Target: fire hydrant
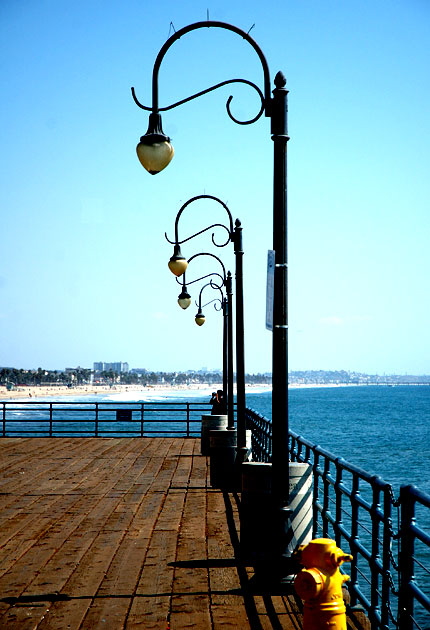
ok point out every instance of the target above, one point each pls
(319, 585)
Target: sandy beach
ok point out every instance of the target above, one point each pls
(117, 390)
(87, 390)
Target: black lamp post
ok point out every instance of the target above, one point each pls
(178, 262)
(184, 300)
(200, 320)
(155, 152)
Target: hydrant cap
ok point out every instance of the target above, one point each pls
(322, 552)
(308, 583)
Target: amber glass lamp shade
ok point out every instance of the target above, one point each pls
(177, 265)
(184, 299)
(200, 319)
(154, 157)
(154, 149)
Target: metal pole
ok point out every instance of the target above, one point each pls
(224, 346)
(240, 346)
(280, 444)
(230, 400)
(280, 451)
(406, 559)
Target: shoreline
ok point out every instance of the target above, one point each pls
(37, 392)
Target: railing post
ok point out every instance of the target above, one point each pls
(142, 405)
(188, 419)
(50, 419)
(406, 559)
(338, 496)
(355, 494)
(375, 559)
(326, 497)
(386, 556)
(316, 499)
(97, 421)
(4, 420)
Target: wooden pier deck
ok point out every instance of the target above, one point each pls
(123, 533)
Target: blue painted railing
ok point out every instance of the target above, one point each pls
(100, 419)
(390, 571)
(387, 536)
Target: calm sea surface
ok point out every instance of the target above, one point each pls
(384, 430)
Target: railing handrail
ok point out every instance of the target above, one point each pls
(376, 570)
(98, 420)
(410, 533)
(349, 503)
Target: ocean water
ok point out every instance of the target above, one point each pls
(384, 430)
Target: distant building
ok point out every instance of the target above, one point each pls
(119, 367)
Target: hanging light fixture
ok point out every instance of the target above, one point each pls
(184, 298)
(177, 264)
(154, 149)
(200, 318)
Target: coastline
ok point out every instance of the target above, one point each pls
(37, 392)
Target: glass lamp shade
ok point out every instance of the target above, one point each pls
(200, 319)
(177, 265)
(184, 300)
(154, 157)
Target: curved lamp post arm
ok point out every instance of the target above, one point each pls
(266, 97)
(186, 283)
(154, 149)
(211, 89)
(224, 275)
(201, 232)
(213, 286)
(227, 341)
(216, 302)
(227, 364)
(184, 298)
(229, 228)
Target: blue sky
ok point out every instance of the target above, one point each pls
(83, 266)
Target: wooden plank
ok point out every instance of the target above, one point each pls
(151, 606)
(123, 533)
(38, 555)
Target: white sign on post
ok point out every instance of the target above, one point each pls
(270, 288)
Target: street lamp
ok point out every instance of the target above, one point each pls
(274, 107)
(200, 318)
(184, 298)
(225, 280)
(177, 262)
(154, 149)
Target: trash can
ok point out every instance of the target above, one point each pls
(259, 515)
(223, 447)
(209, 423)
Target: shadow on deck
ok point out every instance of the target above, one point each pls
(124, 533)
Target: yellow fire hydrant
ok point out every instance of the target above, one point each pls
(319, 585)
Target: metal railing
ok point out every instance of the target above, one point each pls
(414, 546)
(358, 510)
(101, 419)
(386, 536)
